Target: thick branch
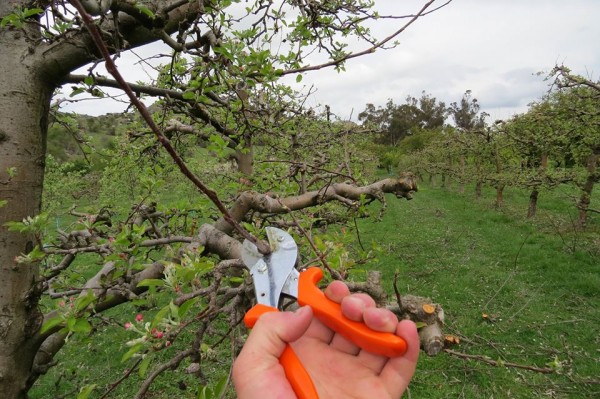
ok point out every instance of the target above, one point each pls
(402, 187)
(76, 49)
(166, 144)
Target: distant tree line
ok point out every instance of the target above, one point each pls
(556, 142)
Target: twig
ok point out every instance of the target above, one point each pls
(123, 378)
(370, 50)
(485, 359)
(510, 276)
(358, 234)
(171, 364)
(396, 291)
(111, 67)
(334, 273)
(524, 306)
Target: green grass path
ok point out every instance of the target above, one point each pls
(538, 281)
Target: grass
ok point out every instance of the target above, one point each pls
(538, 280)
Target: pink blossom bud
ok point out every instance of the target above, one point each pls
(128, 325)
(139, 318)
(158, 334)
(168, 343)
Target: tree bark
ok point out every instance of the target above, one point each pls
(461, 184)
(24, 104)
(30, 70)
(499, 195)
(533, 197)
(588, 186)
(499, 185)
(402, 187)
(478, 182)
(245, 157)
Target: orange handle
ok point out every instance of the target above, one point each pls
(295, 373)
(330, 314)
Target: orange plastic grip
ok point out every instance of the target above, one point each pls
(295, 372)
(330, 314)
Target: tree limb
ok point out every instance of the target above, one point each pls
(402, 187)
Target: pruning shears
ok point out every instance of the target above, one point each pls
(275, 276)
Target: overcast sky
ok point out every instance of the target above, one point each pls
(495, 48)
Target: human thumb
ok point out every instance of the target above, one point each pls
(259, 359)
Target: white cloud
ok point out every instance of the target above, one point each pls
(492, 47)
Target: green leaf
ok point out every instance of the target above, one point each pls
(132, 351)
(299, 78)
(71, 321)
(51, 323)
(160, 316)
(183, 309)
(145, 10)
(144, 366)
(89, 80)
(76, 91)
(11, 19)
(84, 392)
(188, 95)
(30, 224)
(36, 254)
(174, 309)
(82, 326)
(30, 12)
(205, 393)
(221, 386)
(151, 282)
(83, 302)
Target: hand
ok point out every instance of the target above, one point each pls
(338, 368)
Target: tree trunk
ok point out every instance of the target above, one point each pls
(478, 187)
(24, 105)
(30, 70)
(478, 181)
(499, 195)
(499, 185)
(533, 197)
(448, 182)
(588, 186)
(461, 184)
(245, 157)
(244, 162)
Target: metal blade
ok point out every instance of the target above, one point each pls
(271, 273)
(290, 287)
(250, 254)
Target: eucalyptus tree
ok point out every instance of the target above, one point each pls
(471, 135)
(222, 77)
(396, 122)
